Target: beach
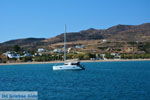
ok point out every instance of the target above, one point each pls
(47, 62)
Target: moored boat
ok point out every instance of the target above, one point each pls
(68, 64)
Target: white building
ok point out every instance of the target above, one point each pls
(57, 51)
(104, 40)
(14, 56)
(41, 50)
(79, 46)
(116, 55)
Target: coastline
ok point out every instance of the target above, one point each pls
(51, 62)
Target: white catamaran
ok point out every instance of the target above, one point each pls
(68, 64)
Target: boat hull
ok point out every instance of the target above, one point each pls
(67, 67)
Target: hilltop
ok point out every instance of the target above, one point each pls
(118, 32)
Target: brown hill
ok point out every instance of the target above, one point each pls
(116, 33)
(119, 32)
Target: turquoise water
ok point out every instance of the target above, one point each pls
(100, 81)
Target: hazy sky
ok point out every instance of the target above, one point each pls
(46, 18)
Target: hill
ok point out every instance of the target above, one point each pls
(118, 32)
(26, 43)
(127, 33)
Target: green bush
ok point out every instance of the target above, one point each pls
(109, 56)
(135, 56)
(26, 59)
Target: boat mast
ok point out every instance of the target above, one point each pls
(65, 43)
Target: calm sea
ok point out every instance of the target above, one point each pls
(100, 81)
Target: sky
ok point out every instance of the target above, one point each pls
(46, 18)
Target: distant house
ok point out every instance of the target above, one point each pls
(26, 54)
(104, 40)
(57, 51)
(41, 50)
(116, 55)
(79, 46)
(12, 54)
(6, 53)
(103, 56)
(69, 50)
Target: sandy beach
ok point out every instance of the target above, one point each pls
(108, 60)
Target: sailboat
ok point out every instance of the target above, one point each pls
(68, 64)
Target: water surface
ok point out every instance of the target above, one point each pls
(100, 81)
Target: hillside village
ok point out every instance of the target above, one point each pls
(83, 50)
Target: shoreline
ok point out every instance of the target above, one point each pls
(51, 62)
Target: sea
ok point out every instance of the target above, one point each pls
(128, 80)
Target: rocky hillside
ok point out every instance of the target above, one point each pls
(116, 33)
(26, 41)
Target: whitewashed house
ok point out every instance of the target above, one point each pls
(41, 50)
(57, 50)
(79, 46)
(12, 54)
